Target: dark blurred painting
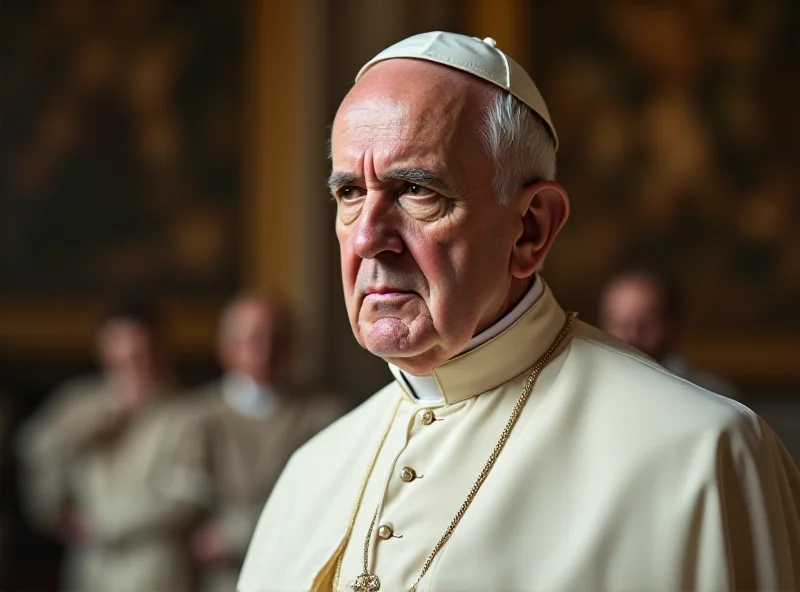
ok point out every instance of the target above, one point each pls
(679, 134)
(120, 146)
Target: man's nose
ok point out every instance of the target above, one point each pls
(376, 228)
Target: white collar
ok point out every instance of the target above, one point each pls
(248, 397)
(425, 388)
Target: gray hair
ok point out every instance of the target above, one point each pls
(520, 145)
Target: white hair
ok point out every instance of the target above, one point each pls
(519, 144)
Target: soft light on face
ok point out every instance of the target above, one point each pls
(425, 245)
(632, 310)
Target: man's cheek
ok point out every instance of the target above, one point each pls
(350, 266)
(442, 277)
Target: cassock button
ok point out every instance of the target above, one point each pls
(408, 474)
(385, 532)
(428, 417)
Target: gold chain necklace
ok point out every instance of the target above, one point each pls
(369, 582)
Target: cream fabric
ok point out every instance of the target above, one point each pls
(128, 479)
(246, 453)
(426, 389)
(619, 476)
(246, 397)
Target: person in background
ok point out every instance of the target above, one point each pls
(253, 422)
(644, 308)
(7, 418)
(103, 466)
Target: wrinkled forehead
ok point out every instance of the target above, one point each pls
(368, 114)
(403, 108)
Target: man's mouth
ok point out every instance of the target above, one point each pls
(387, 292)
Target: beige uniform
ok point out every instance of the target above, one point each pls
(129, 480)
(247, 453)
(6, 522)
(618, 476)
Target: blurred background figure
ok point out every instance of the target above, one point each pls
(644, 308)
(253, 421)
(6, 509)
(102, 465)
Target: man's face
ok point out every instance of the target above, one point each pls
(247, 343)
(127, 352)
(632, 310)
(425, 245)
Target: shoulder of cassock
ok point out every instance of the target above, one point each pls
(70, 403)
(615, 404)
(621, 385)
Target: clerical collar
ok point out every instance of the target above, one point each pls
(430, 389)
(248, 397)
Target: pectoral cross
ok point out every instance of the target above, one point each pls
(367, 582)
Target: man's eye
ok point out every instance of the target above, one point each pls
(349, 193)
(419, 190)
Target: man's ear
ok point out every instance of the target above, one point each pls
(544, 208)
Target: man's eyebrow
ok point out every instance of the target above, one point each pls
(337, 180)
(421, 176)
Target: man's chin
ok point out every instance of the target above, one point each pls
(390, 337)
(390, 348)
(418, 356)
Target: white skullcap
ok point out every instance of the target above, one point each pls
(470, 54)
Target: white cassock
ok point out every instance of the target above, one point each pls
(618, 476)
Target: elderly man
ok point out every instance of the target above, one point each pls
(517, 449)
(251, 422)
(107, 466)
(644, 309)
